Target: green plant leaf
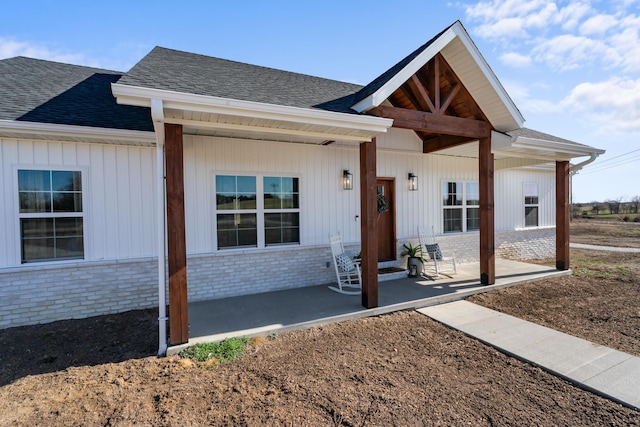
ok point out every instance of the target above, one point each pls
(226, 350)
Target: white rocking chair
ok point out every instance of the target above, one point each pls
(347, 270)
(444, 264)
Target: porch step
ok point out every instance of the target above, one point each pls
(391, 273)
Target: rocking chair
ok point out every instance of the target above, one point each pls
(441, 263)
(347, 270)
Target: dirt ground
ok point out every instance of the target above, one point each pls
(398, 369)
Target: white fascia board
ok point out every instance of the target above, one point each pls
(132, 95)
(405, 74)
(460, 32)
(555, 146)
(71, 131)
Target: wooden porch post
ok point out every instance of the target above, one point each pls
(177, 249)
(368, 224)
(487, 229)
(562, 215)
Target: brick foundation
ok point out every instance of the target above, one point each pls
(40, 294)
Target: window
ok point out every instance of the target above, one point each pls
(257, 212)
(282, 210)
(236, 197)
(51, 215)
(530, 205)
(461, 203)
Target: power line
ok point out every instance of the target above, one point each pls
(599, 168)
(620, 155)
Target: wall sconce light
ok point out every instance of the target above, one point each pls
(413, 182)
(347, 180)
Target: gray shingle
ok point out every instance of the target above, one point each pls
(380, 81)
(530, 133)
(184, 72)
(41, 91)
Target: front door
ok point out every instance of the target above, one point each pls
(386, 219)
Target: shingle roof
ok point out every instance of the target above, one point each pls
(41, 91)
(178, 71)
(530, 133)
(174, 70)
(50, 92)
(372, 87)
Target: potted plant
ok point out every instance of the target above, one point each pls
(415, 260)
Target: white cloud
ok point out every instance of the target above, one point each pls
(515, 59)
(569, 17)
(598, 25)
(500, 9)
(567, 52)
(614, 104)
(116, 57)
(624, 46)
(507, 19)
(10, 48)
(565, 38)
(505, 28)
(521, 95)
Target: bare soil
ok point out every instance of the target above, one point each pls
(398, 369)
(620, 234)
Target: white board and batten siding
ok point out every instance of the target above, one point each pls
(325, 207)
(118, 195)
(119, 189)
(509, 197)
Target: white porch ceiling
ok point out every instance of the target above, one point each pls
(231, 126)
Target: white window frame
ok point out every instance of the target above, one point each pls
(86, 239)
(278, 210)
(260, 211)
(528, 190)
(463, 207)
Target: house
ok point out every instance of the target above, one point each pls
(237, 173)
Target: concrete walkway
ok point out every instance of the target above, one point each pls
(604, 248)
(602, 370)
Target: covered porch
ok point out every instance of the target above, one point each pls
(293, 309)
(443, 95)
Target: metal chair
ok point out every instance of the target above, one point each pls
(438, 261)
(347, 269)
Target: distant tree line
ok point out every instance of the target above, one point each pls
(618, 206)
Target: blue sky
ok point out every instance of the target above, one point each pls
(572, 67)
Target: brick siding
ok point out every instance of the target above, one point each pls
(40, 294)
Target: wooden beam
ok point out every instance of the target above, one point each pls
(436, 82)
(436, 123)
(562, 215)
(177, 249)
(443, 142)
(487, 225)
(368, 224)
(416, 84)
(452, 94)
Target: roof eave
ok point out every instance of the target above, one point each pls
(37, 130)
(141, 96)
(576, 150)
(543, 149)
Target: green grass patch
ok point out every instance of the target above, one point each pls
(625, 271)
(223, 351)
(587, 272)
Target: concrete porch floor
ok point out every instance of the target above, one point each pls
(286, 310)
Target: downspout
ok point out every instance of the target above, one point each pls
(157, 115)
(574, 169)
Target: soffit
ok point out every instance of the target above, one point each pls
(214, 116)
